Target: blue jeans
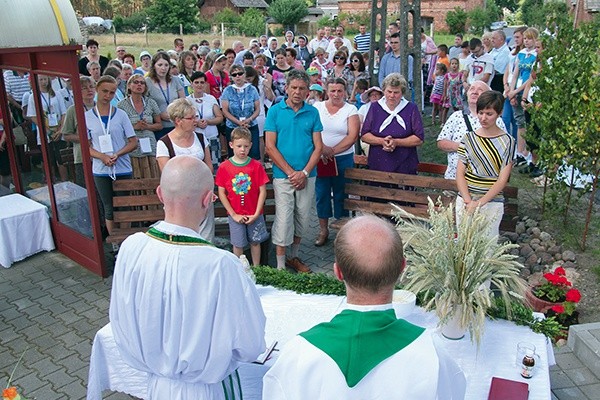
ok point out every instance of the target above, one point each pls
(325, 186)
(254, 150)
(509, 120)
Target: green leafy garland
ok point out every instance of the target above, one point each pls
(320, 283)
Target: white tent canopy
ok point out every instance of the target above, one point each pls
(38, 23)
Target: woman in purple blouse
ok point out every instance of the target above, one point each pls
(393, 128)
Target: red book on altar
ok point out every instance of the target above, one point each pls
(327, 170)
(504, 389)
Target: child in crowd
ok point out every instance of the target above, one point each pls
(216, 46)
(485, 162)
(442, 53)
(360, 86)
(453, 88)
(315, 94)
(437, 93)
(241, 181)
(314, 76)
(526, 60)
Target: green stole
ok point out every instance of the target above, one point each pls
(359, 341)
(177, 239)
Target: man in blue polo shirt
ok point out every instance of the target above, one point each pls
(293, 142)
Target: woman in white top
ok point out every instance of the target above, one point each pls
(54, 110)
(340, 132)
(209, 115)
(112, 138)
(183, 140)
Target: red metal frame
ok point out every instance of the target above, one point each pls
(58, 61)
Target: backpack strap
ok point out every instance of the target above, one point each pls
(468, 122)
(167, 141)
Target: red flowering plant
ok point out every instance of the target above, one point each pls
(558, 289)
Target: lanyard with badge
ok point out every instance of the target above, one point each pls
(105, 140)
(241, 91)
(166, 94)
(143, 142)
(52, 117)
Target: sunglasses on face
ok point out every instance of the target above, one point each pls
(138, 82)
(236, 74)
(355, 61)
(339, 58)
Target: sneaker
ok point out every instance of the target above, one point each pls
(298, 265)
(520, 161)
(527, 169)
(535, 172)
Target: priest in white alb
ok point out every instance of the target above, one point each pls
(365, 352)
(181, 309)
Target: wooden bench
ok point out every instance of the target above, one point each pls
(138, 206)
(412, 192)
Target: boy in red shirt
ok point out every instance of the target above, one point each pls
(241, 181)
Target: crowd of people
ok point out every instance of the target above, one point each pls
(213, 116)
(307, 105)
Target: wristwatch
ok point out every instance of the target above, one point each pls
(305, 173)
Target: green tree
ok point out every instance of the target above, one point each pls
(133, 23)
(166, 15)
(480, 19)
(510, 5)
(456, 20)
(569, 124)
(288, 12)
(538, 12)
(252, 22)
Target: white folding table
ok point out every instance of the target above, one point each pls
(24, 229)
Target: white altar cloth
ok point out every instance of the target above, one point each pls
(24, 229)
(289, 313)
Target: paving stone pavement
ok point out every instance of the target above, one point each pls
(52, 307)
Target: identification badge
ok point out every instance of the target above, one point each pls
(145, 146)
(52, 119)
(106, 145)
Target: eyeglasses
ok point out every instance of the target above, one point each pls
(138, 82)
(195, 117)
(339, 58)
(355, 61)
(236, 74)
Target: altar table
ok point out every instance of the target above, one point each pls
(289, 313)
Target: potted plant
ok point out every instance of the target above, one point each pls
(555, 296)
(453, 268)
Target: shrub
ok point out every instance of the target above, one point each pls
(456, 20)
(252, 22)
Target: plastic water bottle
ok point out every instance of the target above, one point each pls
(247, 268)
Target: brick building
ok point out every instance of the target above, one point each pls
(208, 8)
(432, 11)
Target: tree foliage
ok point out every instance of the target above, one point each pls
(252, 22)
(510, 5)
(569, 100)
(288, 12)
(166, 15)
(538, 12)
(134, 23)
(480, 19)
(457, 20)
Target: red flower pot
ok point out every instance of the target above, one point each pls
(538, 304)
